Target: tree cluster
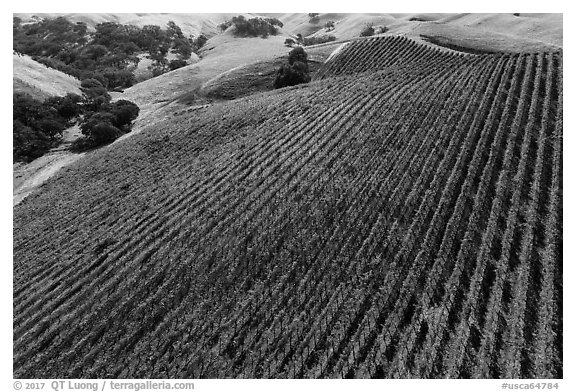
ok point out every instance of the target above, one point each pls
(318, 40)
(109, 54)
(253, 27)
(314, 18)
(295, 72)
(38, 126)
(309, 41)
(103, 121)
(367, 31)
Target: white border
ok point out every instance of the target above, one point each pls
(105, 6)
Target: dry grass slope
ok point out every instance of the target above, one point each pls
(40, 81)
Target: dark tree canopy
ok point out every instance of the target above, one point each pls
(367, 31)
(253, 27)
(295, 72)
(103, 60)
(318, 40)
(124, 113)
(176, 63)
(95, 118)
(103, 133)
(110, 51)
(297, 54)
(37, 126)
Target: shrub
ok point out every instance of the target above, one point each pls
(118, 78)
(90, 83)
(101, 78)
(367, 31)
(254, 27)
(291, 75)
(289, 42)
(224, 25)
(96, 94)
(297, 54)
(98, 129)
(103, 133)
(274, 22)
(124, 113)
(106, 126)
(314, 18)
(96, 104)
(51, 126)
(177, 63)
(329, 25)
(37, 125)
(81, 144)
(418, 19)
(302, 68)
(157, 70)
(100, 134)
(199, 42)
(318, 40)
(95, 118)
(295, 72)
(382, 30)
(183, 48)
(68, 106)
(28, 143)
(26, 109)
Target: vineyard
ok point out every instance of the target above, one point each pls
(400, 216)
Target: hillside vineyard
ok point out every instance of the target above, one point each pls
(400, 216)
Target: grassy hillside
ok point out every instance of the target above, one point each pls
(505, 32)
(541, 27)
(257, 76)
(227, 59)
(144, 72)
(220, 55)
(402, 222)
(472, 38)
(40, 81)
(346, 25)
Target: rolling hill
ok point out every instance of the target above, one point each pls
(546, 28)
(505, 32)
(191, 24)
(400, 216)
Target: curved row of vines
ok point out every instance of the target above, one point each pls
(405, 222)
